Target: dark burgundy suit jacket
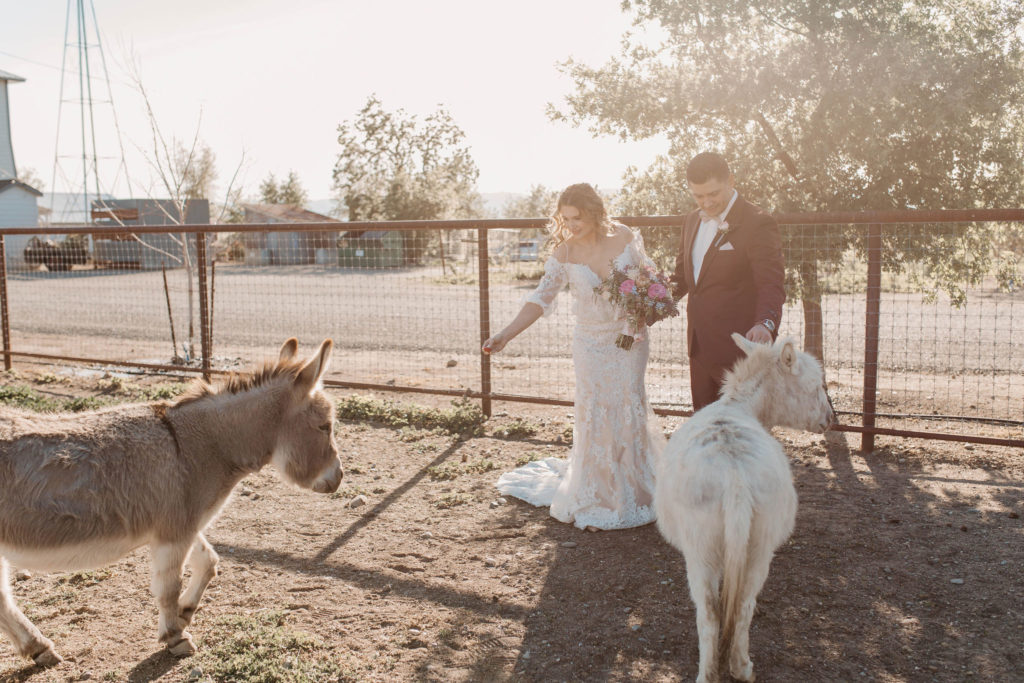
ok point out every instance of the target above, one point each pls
(737, 287)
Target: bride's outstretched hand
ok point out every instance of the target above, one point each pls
(494, 344)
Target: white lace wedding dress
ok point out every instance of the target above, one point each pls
(608, 481)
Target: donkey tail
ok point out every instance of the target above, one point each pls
(739, 509)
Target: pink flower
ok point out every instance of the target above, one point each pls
(657, 291)
(627, 287)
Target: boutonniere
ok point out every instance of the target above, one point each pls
(723, 230)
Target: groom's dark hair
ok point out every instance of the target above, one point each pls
(707, 166)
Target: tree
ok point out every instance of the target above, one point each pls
(184, 174)
(289, 191)
(827, 106)
(392, 166)
(31, 178)
(538, 204)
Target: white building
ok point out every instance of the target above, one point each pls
(18, 201)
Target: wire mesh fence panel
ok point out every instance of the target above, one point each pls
(949, 308)
(403, 308)
(116, 307)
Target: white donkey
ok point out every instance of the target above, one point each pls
(81, 490)
(725, 496)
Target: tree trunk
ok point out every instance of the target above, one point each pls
(811, 300)
(191, 294)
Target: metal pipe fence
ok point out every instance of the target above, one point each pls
(915, 313)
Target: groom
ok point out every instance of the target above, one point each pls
(730, 264)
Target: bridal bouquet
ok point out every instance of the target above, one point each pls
(643, 294)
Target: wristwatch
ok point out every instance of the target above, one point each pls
(769, 324)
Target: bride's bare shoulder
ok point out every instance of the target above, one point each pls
(561, 252)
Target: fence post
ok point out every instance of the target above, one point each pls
(204, 304)
(4, 321)
(483, 266)
(871, 320)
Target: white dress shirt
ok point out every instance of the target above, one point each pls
(706, 235)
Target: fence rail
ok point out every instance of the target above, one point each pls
(914, 312)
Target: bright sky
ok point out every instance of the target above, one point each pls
(274, 79)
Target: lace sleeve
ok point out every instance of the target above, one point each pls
(640, 254)
(552, 282)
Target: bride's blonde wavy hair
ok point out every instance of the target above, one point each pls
(581, 196)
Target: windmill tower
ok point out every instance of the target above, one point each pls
(82, 175)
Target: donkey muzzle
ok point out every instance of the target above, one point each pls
(329, 481)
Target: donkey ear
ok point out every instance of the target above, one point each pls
(746, 346)
(787, 356)
(315, 368)
(288, 350)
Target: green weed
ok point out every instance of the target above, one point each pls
(461, 418)
(261, 648)
(448, 471)
(20, 396)
(451, 500)
(529, 456)
(517, 429)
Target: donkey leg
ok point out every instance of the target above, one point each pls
(758, 564)
(704, 592)
(203, 563)
(25, 636)
(168, 559)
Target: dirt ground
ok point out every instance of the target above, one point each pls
(907, 564)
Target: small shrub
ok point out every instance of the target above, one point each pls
(347, 493)
(529, 456)
(448, 471)
(567, 434)
(112, 385)
(161, 392)
(462, 417)
(450, 500)
(260, 648)
(20, 396)
(443, 472)
(80, 403)
(484, 465)
(517, 429)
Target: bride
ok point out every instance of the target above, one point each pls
(608, 481)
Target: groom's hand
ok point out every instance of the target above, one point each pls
(760, 334)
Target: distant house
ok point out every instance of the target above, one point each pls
(18, 201)
(150, 250)
(288, 247)
(18, 209)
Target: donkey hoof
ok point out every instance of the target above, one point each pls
(184, 647)
(743, 672)
(47, 658)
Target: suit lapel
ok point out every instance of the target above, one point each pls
(733, 218)
(691, 227)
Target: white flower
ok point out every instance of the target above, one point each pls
(723, 226)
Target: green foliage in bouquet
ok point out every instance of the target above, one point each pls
(643, 294)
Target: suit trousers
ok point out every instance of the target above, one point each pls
(705, 381)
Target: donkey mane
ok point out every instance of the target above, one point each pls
(747, 367)
(238, 383)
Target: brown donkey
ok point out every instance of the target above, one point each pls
(81, 490)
